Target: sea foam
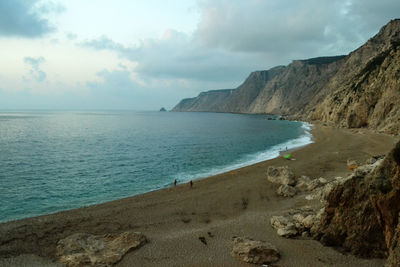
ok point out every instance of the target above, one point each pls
(270, 153)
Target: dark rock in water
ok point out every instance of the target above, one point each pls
(163, 109)
(362, 213)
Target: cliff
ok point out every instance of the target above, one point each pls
(210, 101)
(362, 214)
(361, 89)
(365, 92)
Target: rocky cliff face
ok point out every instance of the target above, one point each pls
(362, 214)
(205, 102)
(365, 92)
(280, 90)
(358, 90)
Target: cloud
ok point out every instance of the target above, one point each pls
(117, 81)
(103, 43)
(235, 37)
(71, 36)
(177, 56)
(26, 18)
(289, 27)
(35, 72)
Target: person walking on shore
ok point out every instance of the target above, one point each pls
(191, 184)
(175, 182)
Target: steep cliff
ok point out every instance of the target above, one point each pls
(211, 101)
(358, 90)
(231, 100)
(290, 91)
(280, 90)
(365, 92)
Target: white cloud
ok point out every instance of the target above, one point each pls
(26, 18)
(35, 72)
(231, 39)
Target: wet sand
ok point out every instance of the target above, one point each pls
(238, 203)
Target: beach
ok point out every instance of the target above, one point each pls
(236, 203)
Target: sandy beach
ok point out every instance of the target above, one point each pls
(237, 203)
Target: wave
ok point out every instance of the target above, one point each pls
(270, 153)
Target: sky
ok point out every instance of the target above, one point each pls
(144, 55)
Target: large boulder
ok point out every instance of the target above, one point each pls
(257, 252)
(97, 250)
(281, 175)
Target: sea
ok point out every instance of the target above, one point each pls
(52, 161)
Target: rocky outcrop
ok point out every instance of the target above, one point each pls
(286, 191)
(281, 175)
(257, 252)
(357, 90)
(362, 213)
(303, 221)
(93, 250)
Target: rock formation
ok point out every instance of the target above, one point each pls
(362, 212)
(281, 175)
(91, 250)
(357, 90)
(365, 91)
(251, 251)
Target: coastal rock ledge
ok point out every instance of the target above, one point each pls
(97, 250)
(251, 251)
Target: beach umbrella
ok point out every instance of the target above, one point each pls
(287, 156)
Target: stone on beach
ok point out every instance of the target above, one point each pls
(303, 221)
(284, 226)
(281, 175)
(97, 250)
(251, 251)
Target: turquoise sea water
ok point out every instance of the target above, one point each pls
(53, 161)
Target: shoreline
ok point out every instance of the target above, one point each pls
(276, 153)
(173, 218)
(270, 153)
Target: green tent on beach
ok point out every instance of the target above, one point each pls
(287, 156)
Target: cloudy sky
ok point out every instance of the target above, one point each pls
(142, 55)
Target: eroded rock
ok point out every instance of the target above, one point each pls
(257, 252)
(286, 190)
(284, 226)
(281, 175)
(297, 222)
(97, 250)
(303, 182)
(362, 211)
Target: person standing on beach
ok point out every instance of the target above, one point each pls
(191, 184)
(175, 182)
